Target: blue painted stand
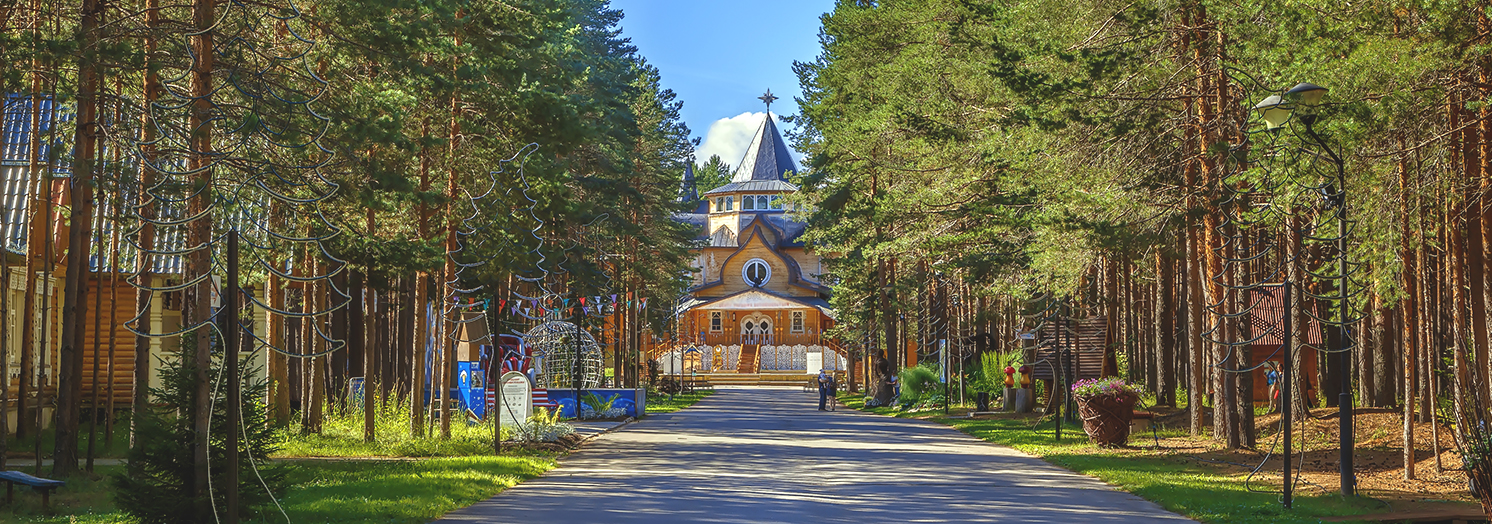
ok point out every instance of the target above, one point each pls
(472, 394)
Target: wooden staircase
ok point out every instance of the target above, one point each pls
(748, 359)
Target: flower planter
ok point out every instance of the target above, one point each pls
(1106, 418)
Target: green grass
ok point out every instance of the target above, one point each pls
(666, 404)
(84, 500)
(1176, 482)
(342, 436)
(323, 491)
(400, 491)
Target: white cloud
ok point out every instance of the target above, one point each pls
(729, 138)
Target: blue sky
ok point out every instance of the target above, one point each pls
(720, 55)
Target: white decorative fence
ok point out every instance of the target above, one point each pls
(795, 358)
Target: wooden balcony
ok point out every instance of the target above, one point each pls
(772, 339)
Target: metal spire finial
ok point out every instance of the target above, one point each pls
(768, 98)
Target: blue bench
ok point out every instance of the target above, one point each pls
(45, 486)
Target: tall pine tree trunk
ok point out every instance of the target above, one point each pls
(80, 234)
(1165, 327)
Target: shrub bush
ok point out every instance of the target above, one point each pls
(917, 382)
(544, 426)
(594, 407)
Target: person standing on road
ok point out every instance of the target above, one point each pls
(826, 382)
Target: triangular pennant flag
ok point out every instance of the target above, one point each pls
(613, 298)
(582, 301)
(644, 303)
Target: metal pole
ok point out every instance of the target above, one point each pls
(230, 362)
(576, 365)
(1072, 363)
(1344, 401)
(1059, 391)
(1287, 361)
(1344, 398)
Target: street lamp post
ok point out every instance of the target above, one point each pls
(1276, 112)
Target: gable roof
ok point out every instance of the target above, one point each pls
(767, 157)
(759, 227)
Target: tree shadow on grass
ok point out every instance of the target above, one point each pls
(399, 491)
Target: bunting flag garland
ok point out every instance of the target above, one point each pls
(539, 308)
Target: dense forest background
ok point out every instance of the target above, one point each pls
(971, 162)
(440, 157)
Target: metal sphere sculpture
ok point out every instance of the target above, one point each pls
(556, 345)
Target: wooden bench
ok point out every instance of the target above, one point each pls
(45, 486)
(691, 384)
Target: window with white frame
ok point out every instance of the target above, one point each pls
(756, 272)
(798, 321)
(717, 321)
(763, 202)
(748, 203)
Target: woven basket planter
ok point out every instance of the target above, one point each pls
(1106, 418)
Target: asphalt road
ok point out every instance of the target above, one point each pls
(768, 455)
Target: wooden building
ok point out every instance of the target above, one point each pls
(757, 304)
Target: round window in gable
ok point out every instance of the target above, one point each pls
(756, 272)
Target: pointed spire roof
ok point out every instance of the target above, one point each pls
(767, 158)
(688, 192)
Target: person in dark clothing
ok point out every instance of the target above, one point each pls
(826, 384)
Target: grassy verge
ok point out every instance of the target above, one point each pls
(667, 404)
(323, 491)
(1175, 481)
(343, 437)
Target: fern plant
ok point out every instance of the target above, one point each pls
(544, 426)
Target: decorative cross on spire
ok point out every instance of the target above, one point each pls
(768, 98)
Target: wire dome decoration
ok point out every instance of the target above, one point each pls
(555, 342)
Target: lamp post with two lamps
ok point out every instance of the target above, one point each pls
(1304, 101)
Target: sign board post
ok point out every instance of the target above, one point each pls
(515, 400)
(943, 376)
